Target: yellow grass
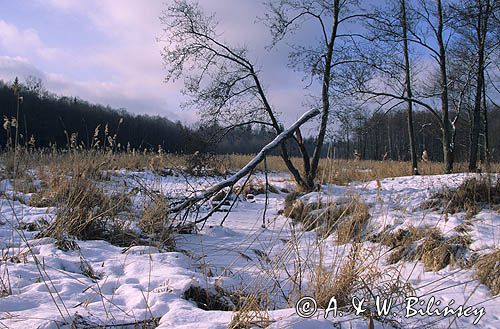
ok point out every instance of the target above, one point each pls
(91, 163)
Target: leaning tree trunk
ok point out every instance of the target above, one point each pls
(247, 169)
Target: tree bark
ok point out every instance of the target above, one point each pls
(411, 133)
(325, 96)
(481, 26)
(486, 148)
(448, 144)
(249, 167)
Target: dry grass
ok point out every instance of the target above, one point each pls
(488, 271)
(93, 162)
(471, 196)
(209, 300)
(256, 187)
(351, 229)
(206, 164)
(155, 223)
(437, 252)
(427, 245)
(293, 206)
(356, 274)
(82, 209)
(347, 220)
(251, 312)
(339, 283)
(343, 172)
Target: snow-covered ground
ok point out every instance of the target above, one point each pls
(46, 287)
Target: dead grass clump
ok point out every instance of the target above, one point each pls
(209, 300)
(340, 283)
(25, 185)
(57, 187)
(472, 195)
(252, 312)
(403, 242)
(37, 225)
(66, 244)
(438, 252)
(154, 221)
(349, 220)
(40, 200)
(293, 207)
(434, 252)
(351, 229)
(427, 245)
(84, 211)
(488, 271)
(206, 164)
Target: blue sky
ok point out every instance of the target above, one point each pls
(106, 52)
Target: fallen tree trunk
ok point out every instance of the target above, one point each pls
(231, 181)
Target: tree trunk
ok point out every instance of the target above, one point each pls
(448, 145)
(325, 96)
(411, 133)
(448, 154)
(486, 148)
(481, 27)
(476, 122)
(284, 151)
(247, 169)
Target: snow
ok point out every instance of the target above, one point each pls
(51, 287)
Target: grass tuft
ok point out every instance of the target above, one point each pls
(471, 196)
(427, 245)
(488, 271)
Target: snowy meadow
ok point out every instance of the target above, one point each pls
(91, 244)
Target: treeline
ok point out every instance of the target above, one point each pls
(385, 136)
(50, 121)
(47, 120)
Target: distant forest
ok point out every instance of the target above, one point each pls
(47, 120)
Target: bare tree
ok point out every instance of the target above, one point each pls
(222, 80)
(409, 94)
(320, 61)
(35, 85)
(430, 31)
(219, 79)
(475, 25)
(388, 27)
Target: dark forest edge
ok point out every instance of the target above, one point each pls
(47, 120)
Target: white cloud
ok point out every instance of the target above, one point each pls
(26, 42)
(128, 69)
